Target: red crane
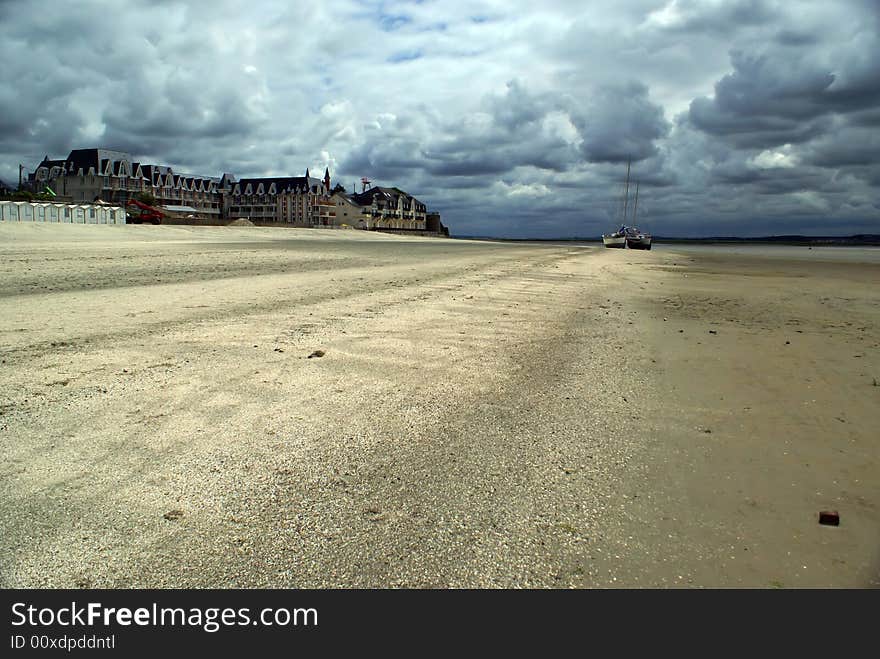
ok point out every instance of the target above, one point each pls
(144, 213)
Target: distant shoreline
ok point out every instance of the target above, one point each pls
(859, 240)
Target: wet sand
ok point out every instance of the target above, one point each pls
(484, 415)
(764, 411)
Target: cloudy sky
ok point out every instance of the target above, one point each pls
(512, 118)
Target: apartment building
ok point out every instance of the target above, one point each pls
(380, 208)
(88, 175)
(298, 200)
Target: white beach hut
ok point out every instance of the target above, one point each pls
(41, 212)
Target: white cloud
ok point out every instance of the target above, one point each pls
(533, 190)
(668, 15)
(535, 103)
(770, 159)
(811, 200)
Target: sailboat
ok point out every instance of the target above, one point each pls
(617, 239)
(628, 236)
(635, 237)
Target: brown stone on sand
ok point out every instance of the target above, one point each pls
(829, 518)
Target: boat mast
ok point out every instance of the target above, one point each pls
(636, 204)
(626, 193)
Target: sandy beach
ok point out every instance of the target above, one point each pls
(481, 414)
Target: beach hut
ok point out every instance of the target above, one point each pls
(14, 211)
(54, 212)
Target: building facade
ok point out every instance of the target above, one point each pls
(298, 200)
(113, 177)
(381, 208)
(89, 175)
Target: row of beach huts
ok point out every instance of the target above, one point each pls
(47, 211)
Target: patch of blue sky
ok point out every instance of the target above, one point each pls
(435, 27)
(388, 21)
(392, 22)
(406, 55)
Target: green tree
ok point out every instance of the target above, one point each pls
(146, 198)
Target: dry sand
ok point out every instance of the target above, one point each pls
(484, 414)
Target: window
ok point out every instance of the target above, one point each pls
(92, 213)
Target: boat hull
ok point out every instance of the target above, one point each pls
(618, 242)
(640, 242)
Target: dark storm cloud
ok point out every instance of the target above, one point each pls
(754, 131)
(178, 113)
(161, 90)
(778, 182)
(847, 146)
(696, 16)
(865, 118)
(36, 108)
(386, 159)
(621, 123)
(765, 102)
(516, 129)
(787, 37)
(736, 114)
(522, 129)
(785, 94)
(517, 109)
